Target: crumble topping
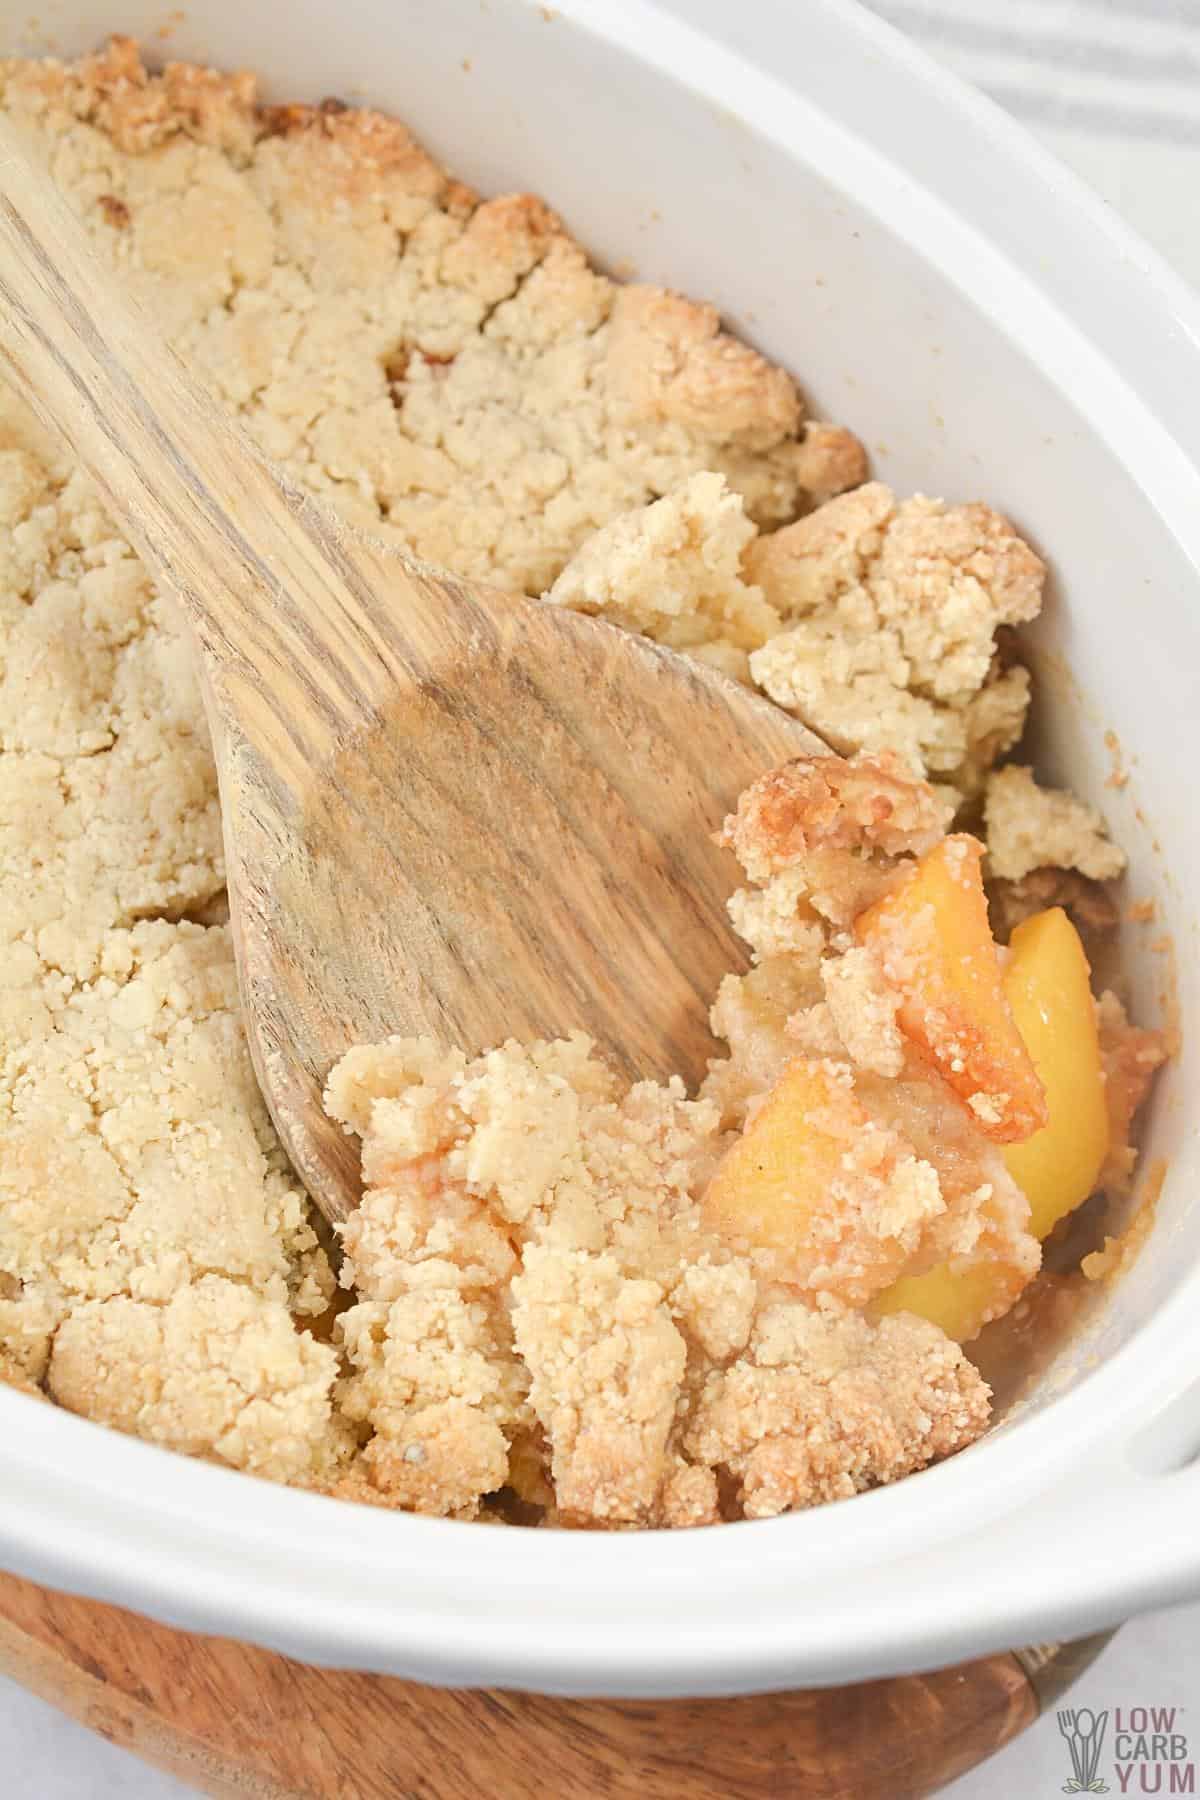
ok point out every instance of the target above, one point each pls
(138, 1156)
(866, 805)
(862, 1011)
(673, 571)
(540, 1299)
(606, 1363)
(218, 1370)
(821, 838)
(666, 1339)
(449, 370)
(446, 371)
(826, 1404)
(892, 609)
(874, 620)
(1030, 827)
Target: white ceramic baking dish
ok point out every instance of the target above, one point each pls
(991, 330)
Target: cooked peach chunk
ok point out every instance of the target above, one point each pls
(934, 944)
(1048, 984)
(964, 1296)
(829, 1199)
(960, 1301)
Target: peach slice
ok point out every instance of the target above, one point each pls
(1048, 984)
(960, 1301)
(935, 946)
(963, 1297)
(831, 1200)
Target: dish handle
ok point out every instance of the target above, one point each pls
(1119, 1537)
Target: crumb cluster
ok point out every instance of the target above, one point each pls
(536, 1300)
(1031, 827)
(678, 1358)
(877, 621)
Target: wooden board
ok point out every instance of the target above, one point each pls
(235, 1721)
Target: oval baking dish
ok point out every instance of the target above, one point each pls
(986, 325)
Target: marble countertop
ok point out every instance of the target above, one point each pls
(1113, 86)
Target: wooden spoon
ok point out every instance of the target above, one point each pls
(447, 809)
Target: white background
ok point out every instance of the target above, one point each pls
(1114, 87)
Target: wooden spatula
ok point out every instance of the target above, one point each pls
(447, 809)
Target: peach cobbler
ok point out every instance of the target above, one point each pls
(562, 1300)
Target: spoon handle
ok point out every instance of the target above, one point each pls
(286, 604)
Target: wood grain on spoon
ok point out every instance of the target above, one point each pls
(447, 809)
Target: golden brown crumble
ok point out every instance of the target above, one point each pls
(647, 1334)
(1031, 827)
(862, 1011)
(869, 804)
(606, 1364)
(891, 610)
(218, 1370)
(673, 571)
(540, 1301)
(878, 622)
(450, 373)
(627, 1301)
(825, 1404)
